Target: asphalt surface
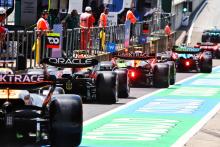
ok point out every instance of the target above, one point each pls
(209, 135)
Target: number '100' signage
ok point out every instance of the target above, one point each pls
(53, 40)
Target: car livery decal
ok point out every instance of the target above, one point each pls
(161, 119)
(70, 63)
(184, 49)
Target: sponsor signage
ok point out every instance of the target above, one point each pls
(21, 78)
(134, 55)
(111, 47)
(187, 49)
(53, 40)
(72, 63)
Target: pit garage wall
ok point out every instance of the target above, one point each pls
(177, 9)
(196, 4)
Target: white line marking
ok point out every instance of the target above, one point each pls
(132, 129)
(183, 139)
(171, 106)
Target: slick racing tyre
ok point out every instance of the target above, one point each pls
(65, 113)
(123, 83)
(106, 87)
(205, 37)
(172, 72)
(161, 75)
(205, 63)
(217, 53)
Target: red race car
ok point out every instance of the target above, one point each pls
(214, 48)
(147, 70)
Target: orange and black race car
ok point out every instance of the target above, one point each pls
(147, 70)
(34, 110)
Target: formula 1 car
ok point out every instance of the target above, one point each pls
(91, 84)
(122, 77)
(214, 48)
(212, 35)
(189, 58)
(147, 70)
(39, 118)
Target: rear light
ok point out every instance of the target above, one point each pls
(187, 63)
(132, 74)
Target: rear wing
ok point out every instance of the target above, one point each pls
(134, 56)
(70, 63)
(186, 50)
(4, 63)
(213, 32)
(207, 46)
(25, 82)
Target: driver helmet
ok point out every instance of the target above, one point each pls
(2, 11)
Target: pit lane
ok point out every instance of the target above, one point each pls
(92, 110)
(109, 130)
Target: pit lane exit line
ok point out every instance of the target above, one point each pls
(141, 122)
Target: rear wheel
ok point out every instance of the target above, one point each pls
(123, 83)
(217, 53)
(106, 87)
(161, 75)
(206, 66)
(205, 37)
(172, 72)
(66, 120)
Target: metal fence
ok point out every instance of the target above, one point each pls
(90, 42)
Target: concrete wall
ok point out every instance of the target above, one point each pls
(196, 3)
(177, 9)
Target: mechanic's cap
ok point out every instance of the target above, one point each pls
(88, 9)
(45, 12)
(2, 11)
